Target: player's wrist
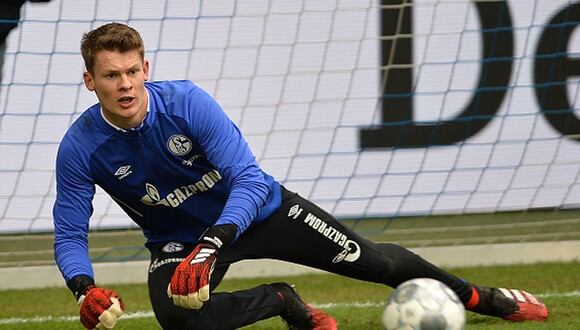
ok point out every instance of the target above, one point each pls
(80, 284)
(219, 236)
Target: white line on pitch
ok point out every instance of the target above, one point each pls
(145, 314)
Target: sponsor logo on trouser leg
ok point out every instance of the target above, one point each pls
(351, 250)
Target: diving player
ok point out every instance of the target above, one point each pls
(169, 156)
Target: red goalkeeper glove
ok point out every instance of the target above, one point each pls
(189, 285)
(100, 308)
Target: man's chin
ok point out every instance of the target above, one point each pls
(131, 107)
(127, 112)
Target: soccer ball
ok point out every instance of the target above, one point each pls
(423, 304)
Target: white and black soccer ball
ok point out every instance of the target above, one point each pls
(423, 304)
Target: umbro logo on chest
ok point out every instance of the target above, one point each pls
(123, 171)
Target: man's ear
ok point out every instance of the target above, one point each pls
(146, 69)
(89, 81)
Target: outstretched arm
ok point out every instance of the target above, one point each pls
(71, 212)
(99, 308)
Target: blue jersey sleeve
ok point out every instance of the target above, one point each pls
(71, 212)
(228, 151)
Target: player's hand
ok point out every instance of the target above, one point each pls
(189, 285)
(100, 308)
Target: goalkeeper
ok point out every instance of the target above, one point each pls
(168, 155)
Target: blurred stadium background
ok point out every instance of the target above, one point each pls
(449, 126)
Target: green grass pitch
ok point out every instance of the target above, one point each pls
(355, 304)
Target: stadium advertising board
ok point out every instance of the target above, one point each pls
(368, 108)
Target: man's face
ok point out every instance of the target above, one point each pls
(119, 82)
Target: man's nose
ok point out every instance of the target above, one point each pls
(125, 83)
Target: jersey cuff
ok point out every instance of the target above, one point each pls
(79, 284)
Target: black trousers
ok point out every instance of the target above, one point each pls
(299, 232)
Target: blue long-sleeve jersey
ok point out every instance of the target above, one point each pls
(185, 169)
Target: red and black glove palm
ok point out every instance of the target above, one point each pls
(189, 286)
(100, 308)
